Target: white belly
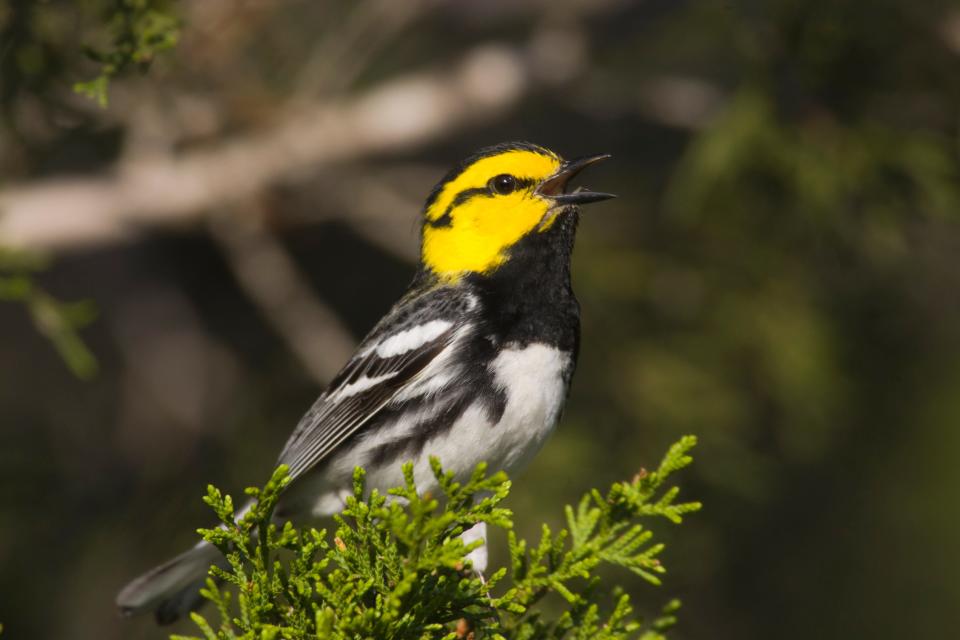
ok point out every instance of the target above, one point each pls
(534, 379)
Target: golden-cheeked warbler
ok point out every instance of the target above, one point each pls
(472, 364)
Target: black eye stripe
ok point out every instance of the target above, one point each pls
(467, 194)
(445, 220)
(523, 183)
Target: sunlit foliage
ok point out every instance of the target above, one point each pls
(395, 568)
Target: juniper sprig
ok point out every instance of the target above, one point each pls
(395, 566)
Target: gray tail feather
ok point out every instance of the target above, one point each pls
(171, 590)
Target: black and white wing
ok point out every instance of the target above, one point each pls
(412, 336)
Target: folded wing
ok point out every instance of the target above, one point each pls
(386, 363)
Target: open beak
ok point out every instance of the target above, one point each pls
(555, 187)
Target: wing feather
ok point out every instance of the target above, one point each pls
(341, 411)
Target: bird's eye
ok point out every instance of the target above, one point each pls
(503, 184)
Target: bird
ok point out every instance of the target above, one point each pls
(472, 364)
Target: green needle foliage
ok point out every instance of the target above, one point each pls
(396, 568)
(59, 321)
(139, 30)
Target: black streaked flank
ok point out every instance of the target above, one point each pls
(474, 384)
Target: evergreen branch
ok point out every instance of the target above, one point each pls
(60, 322)
(140, 30)
(396, 569)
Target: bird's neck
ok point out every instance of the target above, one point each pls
(530, 298)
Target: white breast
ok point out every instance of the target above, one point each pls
(534, 379)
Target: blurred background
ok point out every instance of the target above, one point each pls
(182, 270)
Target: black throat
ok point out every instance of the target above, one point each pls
(530, 298)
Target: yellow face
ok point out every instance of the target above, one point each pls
(490, 205)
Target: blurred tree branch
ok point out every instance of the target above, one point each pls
(173, 189)
(270, 277)
(346, 52)
(159, 185)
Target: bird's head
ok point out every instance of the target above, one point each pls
(493, 200)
